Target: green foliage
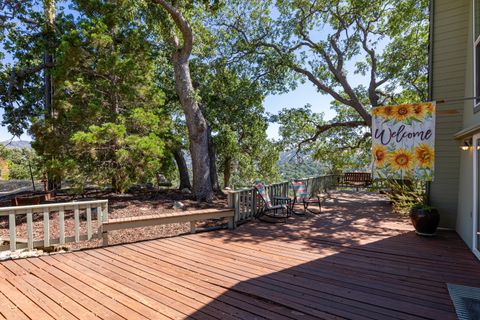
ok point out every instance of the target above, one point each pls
(283, 42)
(342, 149)
(233, 106)
(23, 40)
(18, 161)
(112, 155)
(407, 194)
(109, 126)
(117, 113)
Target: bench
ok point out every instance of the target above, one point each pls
(355, 179)
(168, 218)
(30, 200)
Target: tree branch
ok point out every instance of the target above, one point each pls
(18, 76)
(357, 145)
(323, 128)
(322, 86)
(336, 70)
(184, 27)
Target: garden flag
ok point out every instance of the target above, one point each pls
(403, 139)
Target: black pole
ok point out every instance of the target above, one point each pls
(31, 174)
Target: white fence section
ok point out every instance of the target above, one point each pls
(96, 208)
(247, 203)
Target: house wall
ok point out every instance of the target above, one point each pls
(449, 64)
(470, 118)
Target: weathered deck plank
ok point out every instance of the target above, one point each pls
(355, 260)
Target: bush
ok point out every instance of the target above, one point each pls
(406, 194)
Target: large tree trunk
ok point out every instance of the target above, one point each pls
(182, 169)
(227, 172)
(197, 131)
(213, 161)
(196, 123)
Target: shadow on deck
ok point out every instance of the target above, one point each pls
(355, 260)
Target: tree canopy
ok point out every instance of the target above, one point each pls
(118, 92)
(331, 44)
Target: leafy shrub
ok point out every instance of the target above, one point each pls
(406, 194)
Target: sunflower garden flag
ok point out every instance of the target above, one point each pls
(403, 139)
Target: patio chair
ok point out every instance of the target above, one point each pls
(275, 210)
(301, 195)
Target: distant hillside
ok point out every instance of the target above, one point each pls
(292, 166)
(20, 144)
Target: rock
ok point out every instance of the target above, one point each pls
(161, 178)
(149, 186)
(5, 255)
(24, 254)
(21, 253)
(186, 191)
(28, 254)
(177, 205)
(134, 188)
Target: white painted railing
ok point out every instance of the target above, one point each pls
(96, 209)
(247, 202)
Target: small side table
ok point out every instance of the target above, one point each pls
(287, 201)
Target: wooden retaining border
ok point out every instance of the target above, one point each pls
(176, 217)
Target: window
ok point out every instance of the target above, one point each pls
(476, 50)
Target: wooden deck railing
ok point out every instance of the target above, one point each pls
(246, 202)
(98, 207)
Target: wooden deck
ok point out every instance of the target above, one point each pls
(355, 261)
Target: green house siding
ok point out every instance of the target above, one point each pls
(449, 62)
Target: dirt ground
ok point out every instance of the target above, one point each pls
(120, 206)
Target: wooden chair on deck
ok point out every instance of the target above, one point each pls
(275, 210)
(301, 195)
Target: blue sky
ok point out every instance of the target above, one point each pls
(304, 94)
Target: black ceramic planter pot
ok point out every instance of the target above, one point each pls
(425, 221)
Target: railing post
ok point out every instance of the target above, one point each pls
(12, 230)
(30, 230)
(103, 218)
(76, 215)
(105, 213)
(89, 222)
(231, 224)
(46, 228)
(193, 226)
(61, 227)
(241, 210)
(230, 199)
(254, 202)
(234, 201)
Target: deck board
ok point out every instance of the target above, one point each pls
(355, 260)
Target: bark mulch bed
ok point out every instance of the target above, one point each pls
(120, 206)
